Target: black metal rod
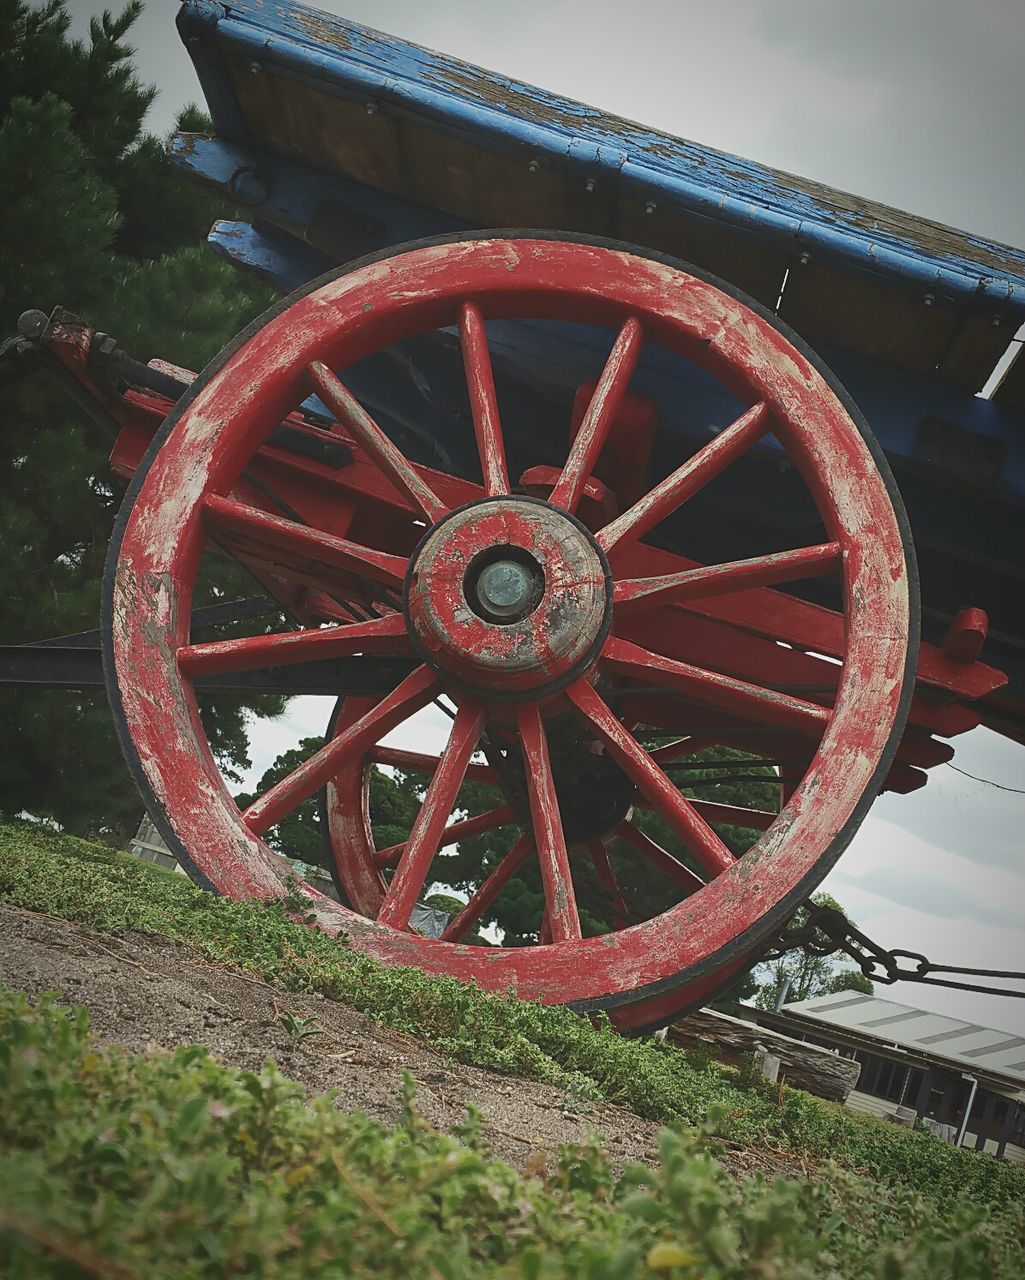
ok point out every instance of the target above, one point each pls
(210, 615)
(48, 666)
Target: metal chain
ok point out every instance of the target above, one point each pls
(827, 931)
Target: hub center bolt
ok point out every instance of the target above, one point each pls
(508, 590)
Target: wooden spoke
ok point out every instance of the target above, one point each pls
(549, 838)
(351, 414)
(600, 415)
(596, 702)
(709, 688)
(295, 551)
(719, 579)
(735, 815)
(381, 635)
(480, 383)
(425, 836)
(686, 480)
(456, 831)
(599, 856)
(672, 868)
(486, 893)
(412, 694)
(650, 780)
(417, 762)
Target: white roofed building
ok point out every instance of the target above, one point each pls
(948, 1071)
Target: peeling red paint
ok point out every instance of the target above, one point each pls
(193, 488)
(516, 657)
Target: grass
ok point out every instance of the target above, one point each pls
(104, 890)
(170, 1166)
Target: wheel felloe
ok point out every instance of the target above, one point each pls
(512, 607)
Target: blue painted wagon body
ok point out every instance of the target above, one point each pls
(336, 141)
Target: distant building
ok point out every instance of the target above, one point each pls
(148, 844)
(964, 1080)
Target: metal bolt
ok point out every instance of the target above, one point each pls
(31, 324)
(506, 588)
(533, 166)
(371, 108)
(650, 207)
(929, 299)
(805, 258)
(103, 346)
(255, 68)
(590, 185)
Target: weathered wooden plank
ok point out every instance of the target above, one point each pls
(915, 329)
(496, 110)
(805, 1066)
(344, 100)
(737, 256)
(974, 351)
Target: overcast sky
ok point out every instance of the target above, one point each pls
(918, 103)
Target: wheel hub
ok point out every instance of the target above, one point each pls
(509, 598)
(506, 590)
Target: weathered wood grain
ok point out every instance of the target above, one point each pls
(805, 1066)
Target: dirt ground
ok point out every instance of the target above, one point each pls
(143, 991)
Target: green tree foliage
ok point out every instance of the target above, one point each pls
(808, 975)
(93, 218)
(646, 891)
(394, 803)
(847, 980)
(299, 834)
(395, 800)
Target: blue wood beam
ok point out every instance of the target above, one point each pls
(346, 59)
(287, 202)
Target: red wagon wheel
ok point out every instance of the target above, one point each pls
(546, 633)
